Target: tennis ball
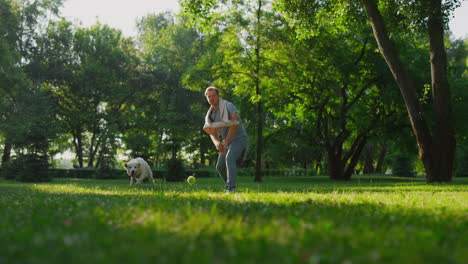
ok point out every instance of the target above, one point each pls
(191, 180)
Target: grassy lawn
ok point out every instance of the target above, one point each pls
(282, 220)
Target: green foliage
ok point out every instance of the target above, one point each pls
(457, 55)
(106, 169)
(403, 165)
(93, 74)
(27, 168)
(461, 162)
(202, 173)
(411, 16)
(32, 124)
(298, 220)
(175, 170)
(27, 119)
(139, 143)
(278, 172)
(58, 173)
(82, 173)
(10, 170)
(168, 48)
(319, 75)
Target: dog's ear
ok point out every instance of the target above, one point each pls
(125, 165)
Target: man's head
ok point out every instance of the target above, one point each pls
(212, 96)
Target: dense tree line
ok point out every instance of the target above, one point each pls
(331, 86)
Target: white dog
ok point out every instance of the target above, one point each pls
(138, 170)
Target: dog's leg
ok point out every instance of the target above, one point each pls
(131, 181)
(152, 179)
(140, 180)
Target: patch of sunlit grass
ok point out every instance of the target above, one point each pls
(282, 220)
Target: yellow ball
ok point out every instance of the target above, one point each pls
(191, 180)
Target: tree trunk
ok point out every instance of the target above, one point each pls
(96, 142)
(368, 160)
(407, 89)
(336, 166)
(444, 143)
(355, 154)
(258, 162)
(6, 153)
(77, 142)
(382, 154)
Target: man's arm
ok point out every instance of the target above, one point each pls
(232, 130)
(214, 135)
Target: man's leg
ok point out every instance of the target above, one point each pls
(221, 167)
(232, 155)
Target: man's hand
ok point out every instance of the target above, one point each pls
(221, 147)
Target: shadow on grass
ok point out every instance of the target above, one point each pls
(315, 184)
(365, 179)
(182, 225)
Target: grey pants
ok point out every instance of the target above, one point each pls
(226, 165)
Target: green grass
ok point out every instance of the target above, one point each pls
(282, 220)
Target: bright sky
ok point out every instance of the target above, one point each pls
(122, 14)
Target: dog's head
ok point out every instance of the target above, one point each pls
(132, 168)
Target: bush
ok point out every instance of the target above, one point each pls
(175, 170)
(58, 173)
(461, 168)
(105, 173)
(202, 173)
(82, 173)
(403, 166)
(159, 173)
(106, 170)
(27, 168)
(11, 169)
(278, 172)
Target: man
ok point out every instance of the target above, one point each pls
(223, 124)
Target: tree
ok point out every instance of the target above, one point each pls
(92, 71)
(20, 28)
(10, 74)
(168, 48)
(457, 54)
(242, 30)
(335, 82)
(32, 125)
(436, 151)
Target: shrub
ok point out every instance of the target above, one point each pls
(175, 170)
(82, 173)
(27, 168)
(11, 169)
(245, 172)
(105, 173)
(461, 168)
(202, 173)
(58, 173)
(403, 166)
(159, 173)
(278, 172)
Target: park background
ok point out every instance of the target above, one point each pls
(310, 84)
(332, 173)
